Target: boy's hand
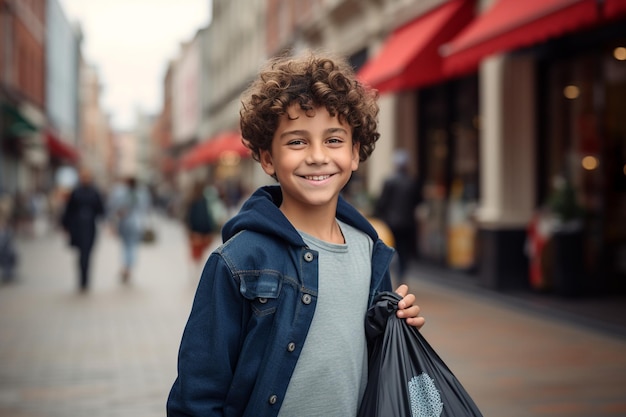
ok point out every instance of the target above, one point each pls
(407, 310)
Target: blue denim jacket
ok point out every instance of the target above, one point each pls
(252, 311)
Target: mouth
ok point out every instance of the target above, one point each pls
(316, 177)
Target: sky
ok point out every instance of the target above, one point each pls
(130, 42)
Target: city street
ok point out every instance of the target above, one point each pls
(112, 351)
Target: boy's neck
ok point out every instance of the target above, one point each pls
(320, 224)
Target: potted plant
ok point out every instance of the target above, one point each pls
(568, 239)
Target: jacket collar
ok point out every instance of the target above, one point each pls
(261, 213)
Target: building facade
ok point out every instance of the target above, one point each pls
(22, 94)
(96, 142)
(230, 50)
(62, 56)
(525, 102)
(46, 118)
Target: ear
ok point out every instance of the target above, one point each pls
(355, 156)
(267, 163)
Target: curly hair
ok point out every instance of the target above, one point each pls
(311, 80)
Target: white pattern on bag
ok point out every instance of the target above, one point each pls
(425, 398)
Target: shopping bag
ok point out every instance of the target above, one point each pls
(148, 235)
(407, 378)
(148, 231)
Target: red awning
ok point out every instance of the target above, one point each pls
(60, 149)
(614, 8)
(514, 24)
(410, 58)
(213, 149)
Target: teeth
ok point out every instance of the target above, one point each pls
(317, 177)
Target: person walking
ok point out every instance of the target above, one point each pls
(128, 209)
(83, 209)
(396, 208)
(200, 223)
(277, 323)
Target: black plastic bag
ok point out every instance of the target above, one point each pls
(406, 376)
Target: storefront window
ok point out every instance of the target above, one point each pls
(449, 172)
(614, 68)
(584, 145)
(434, 153)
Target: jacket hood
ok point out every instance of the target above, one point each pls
(261, 213)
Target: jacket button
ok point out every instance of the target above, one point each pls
(308, 256)
(291, 347)
(262, 300)
(306, 298)
(272, 399)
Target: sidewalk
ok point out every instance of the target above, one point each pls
(605, 313)
(520, 361)
(109, 352)
(112, 351)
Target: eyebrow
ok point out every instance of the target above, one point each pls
(330, 130)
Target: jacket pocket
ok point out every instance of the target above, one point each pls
(262, 290)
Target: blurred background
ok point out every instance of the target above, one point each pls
(500, 105)
(511, 115)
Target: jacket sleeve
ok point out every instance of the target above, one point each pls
(210, 345)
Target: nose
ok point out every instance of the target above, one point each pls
(317, 154)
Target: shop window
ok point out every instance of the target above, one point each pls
(449, 168)
(583, 143)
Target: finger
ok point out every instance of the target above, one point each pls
(407, 301)
(416, 322)
(410, 311)
(412, 316)
(402, 290)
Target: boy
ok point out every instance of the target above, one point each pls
(277, 324)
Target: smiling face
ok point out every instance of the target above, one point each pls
(313, 157)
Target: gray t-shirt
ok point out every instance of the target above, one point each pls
(331, 373)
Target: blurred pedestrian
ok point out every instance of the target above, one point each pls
(83, 209)
(8, 251)
(200, 222)
(396, 207)
(232, 192)
(128, 208)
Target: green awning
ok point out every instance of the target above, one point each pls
(15, 123)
